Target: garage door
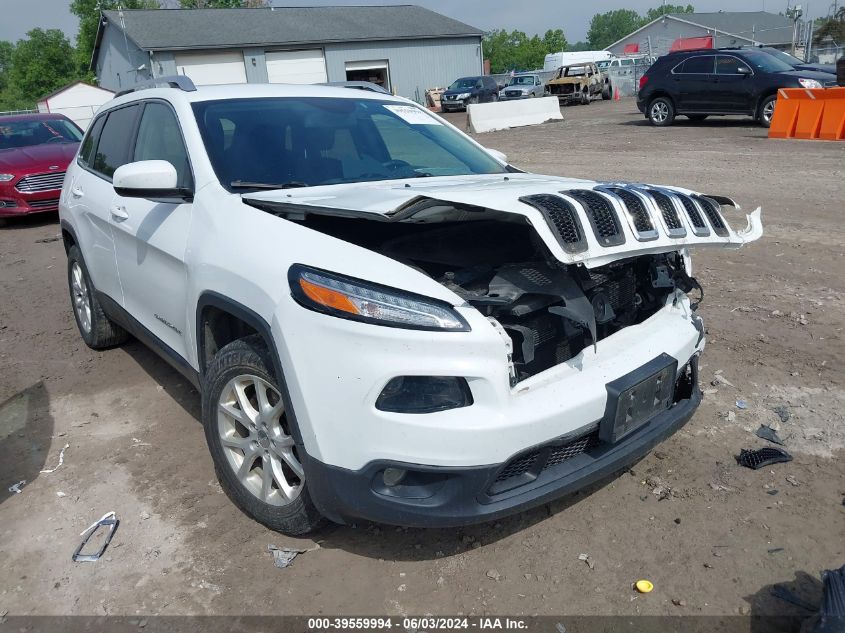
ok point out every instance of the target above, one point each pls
(296, 67)
(208, 69)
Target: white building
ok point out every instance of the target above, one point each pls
(77, 101)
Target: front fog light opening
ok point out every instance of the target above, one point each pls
(424, 394)
(393, 476)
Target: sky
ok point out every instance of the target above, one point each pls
(531, 16)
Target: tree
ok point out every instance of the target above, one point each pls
(653, 14)
(39, 65)
(6, 50)
(832, 27)
(88, 12)
(607, 28)
(554, 41)
(222, 4)
(516, 51)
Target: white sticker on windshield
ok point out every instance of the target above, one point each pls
(413, 115)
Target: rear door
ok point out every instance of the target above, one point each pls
(91, 194)
(151, 236)
(733, 86)
(694, 79)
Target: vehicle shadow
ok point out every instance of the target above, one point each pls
(11, 223)
(713, 122)
(786, 606)
(26, 431)
(423, 544)
(168, 379)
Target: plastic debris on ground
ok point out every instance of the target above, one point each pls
(741, 404)
(644, 586)
(108, 520)
(586, 558)
(762, 457)
(283, 556)
(769, 434)
(16, 488)
(832, 612)
(61, 461)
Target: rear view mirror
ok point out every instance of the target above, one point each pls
(151, 179)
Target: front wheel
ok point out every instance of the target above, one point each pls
(607, 93)
(247, 425)
(767, 110)
(661, 112)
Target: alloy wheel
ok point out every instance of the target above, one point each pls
(81, 297)
(253, 433)
(659, 112)
(768, 111)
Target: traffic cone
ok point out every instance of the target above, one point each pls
(616, 96)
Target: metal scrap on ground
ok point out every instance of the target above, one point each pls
(283, 556)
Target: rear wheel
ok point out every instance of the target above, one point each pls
(248, 429)
(767, 110)
(661, 112)
(607, 93)
(96, 329)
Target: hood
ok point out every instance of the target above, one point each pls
(819, 68)
(580, 221)
(568, 80)
(37, 158)
(822, 78)
(458, 92)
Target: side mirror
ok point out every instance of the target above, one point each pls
(500, 156)
(743, 70)
(151, 179)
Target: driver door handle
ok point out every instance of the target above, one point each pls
(119, 213)
(76, 191)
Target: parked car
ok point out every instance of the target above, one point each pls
(719, 82)
(626, 63)
(35, 150)
(553, 61)
(580, 83)
(523, 86)
(795, 62)
(468, 90)
(384, 320)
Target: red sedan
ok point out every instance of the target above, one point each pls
(35, 150)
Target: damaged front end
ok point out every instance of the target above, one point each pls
(554, 272)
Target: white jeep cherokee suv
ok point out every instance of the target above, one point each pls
(384, 319)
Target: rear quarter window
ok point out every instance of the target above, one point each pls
(114, 148)
(89, 144)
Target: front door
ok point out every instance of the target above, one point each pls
(733, 86)
(151, 236)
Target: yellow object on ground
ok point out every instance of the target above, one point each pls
(644, 586)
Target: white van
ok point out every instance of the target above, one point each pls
(553, 61)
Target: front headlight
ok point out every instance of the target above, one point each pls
(6, 177)
(358, 300)
(809, 83)
(463, 95)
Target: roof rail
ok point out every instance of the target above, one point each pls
(181, 82)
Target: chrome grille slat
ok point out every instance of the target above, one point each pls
(635, 209)
(37, 183)
(601, 214)
(711, 210)
(562, 219)
(44, 204)
(699, 226)
(671, 220)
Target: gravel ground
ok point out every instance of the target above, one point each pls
(711, 536)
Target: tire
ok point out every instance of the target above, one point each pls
(236, 377)
(696, 118)
(607, 93)
(97, 330)
(767, 110)
(585, 97)
(661, 112)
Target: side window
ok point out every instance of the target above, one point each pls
(159, 138)
(701, 65)
(115, 141)
(86, 152)
(729, 65)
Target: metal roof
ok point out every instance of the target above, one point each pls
(174, 29)
(760, 26)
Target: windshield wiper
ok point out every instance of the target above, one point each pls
(243, 184)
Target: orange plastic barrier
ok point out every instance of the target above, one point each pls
(809, 114)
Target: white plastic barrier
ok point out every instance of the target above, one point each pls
(501, 115)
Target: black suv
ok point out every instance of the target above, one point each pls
(468, 90)
(719, 82)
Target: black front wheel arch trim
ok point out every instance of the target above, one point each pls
(211, 299)
(67, 228)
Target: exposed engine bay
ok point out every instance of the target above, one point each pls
(550, 311)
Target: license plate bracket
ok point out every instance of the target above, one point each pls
(635, 398)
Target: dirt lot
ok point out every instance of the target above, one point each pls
(775, 313)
